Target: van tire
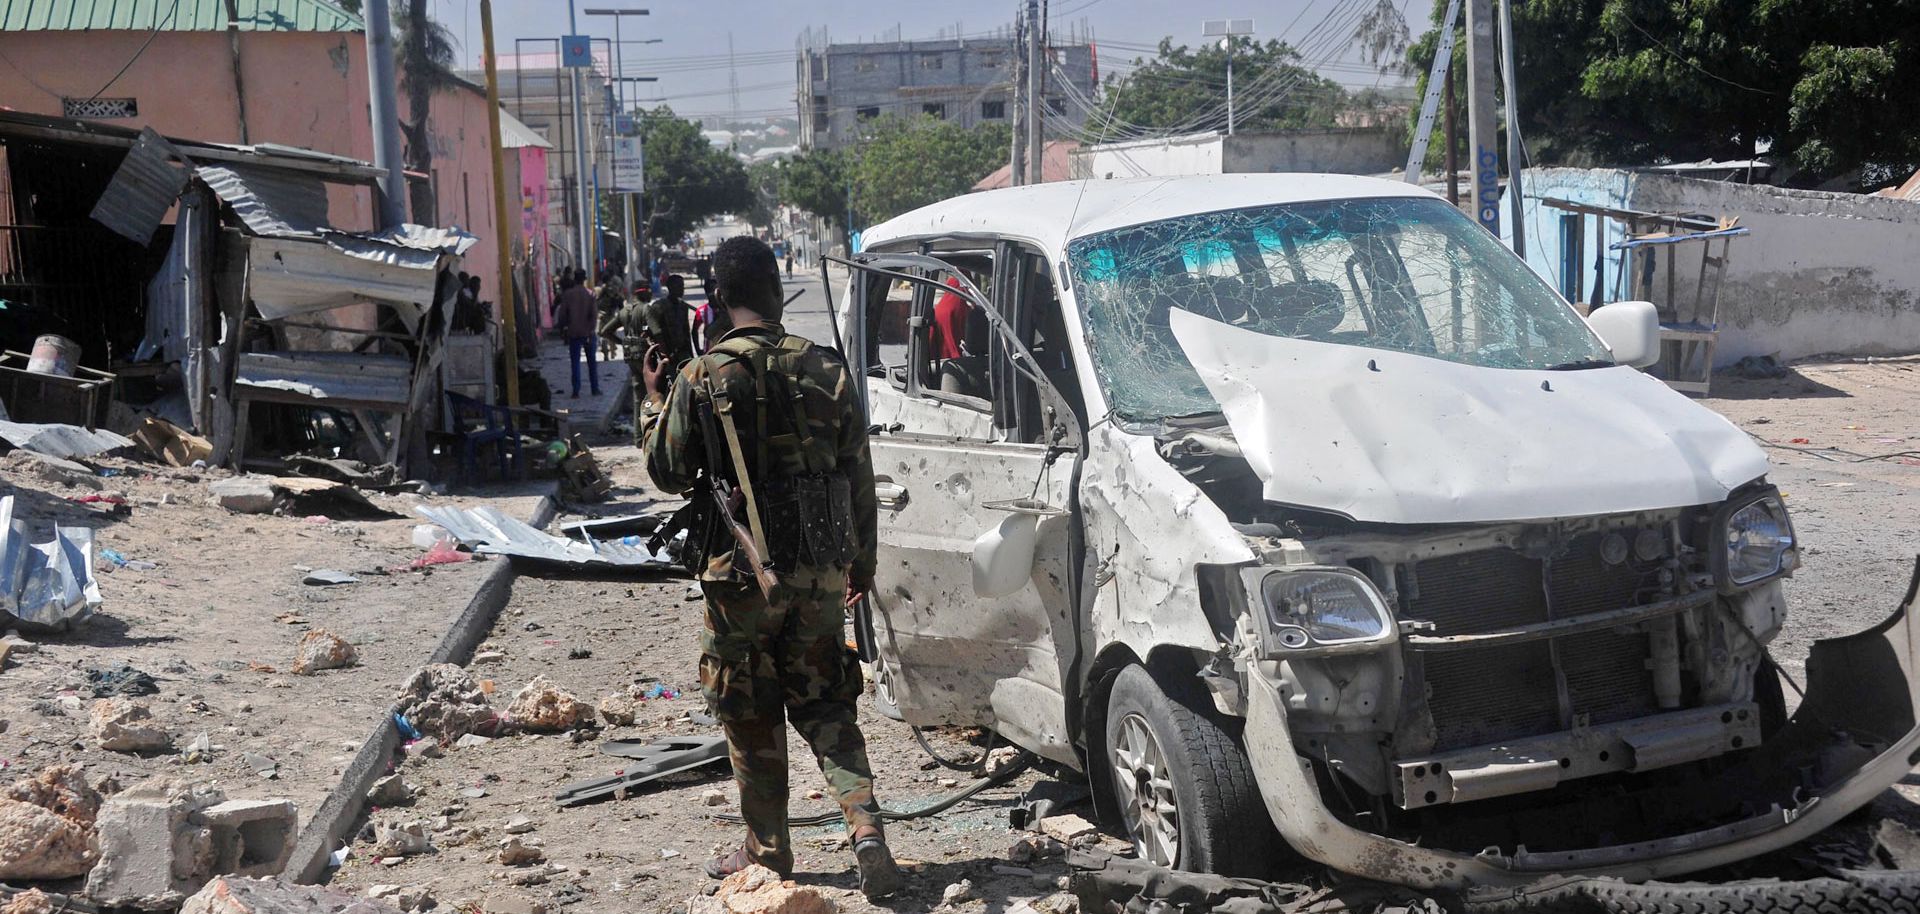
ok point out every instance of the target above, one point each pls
(1220, 821)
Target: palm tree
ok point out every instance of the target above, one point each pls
(426, 58)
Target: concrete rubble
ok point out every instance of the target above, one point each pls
(619, 709)
(161, 840)
(323, 650)
(119, 725)
(243, 494)
(232, 895)
(543, 707)
(390, 791)
(758, 890)
(47, 825)
(31, 901)
(401, 839)
(1067, 829)
(406, 897)
(515, 852)
(957, 894)
(443, 702)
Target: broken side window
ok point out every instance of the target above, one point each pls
(1402, 274)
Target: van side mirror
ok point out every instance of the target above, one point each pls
(1003, 556)
(1631, 329)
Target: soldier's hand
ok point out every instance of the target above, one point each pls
(654, 371)
(856, 592)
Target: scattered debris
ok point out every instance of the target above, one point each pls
(327, 577)
(713, 796)
(56, 439)
(544, 707)
(515, 852)
(295, 495)
(32, 901)
(1001, 759)
(162, 840)
(1756, 367)
(121, 681)
(119, 725)
(488, 530)
(47, 586)
(171, 444)
(581, 479)
(407, 898)
(442, 552)
(958, 893)
(651, 760)
(47, 825)
(401, 839)
(1034, 848)
(518, 825)
(443, 702)
(1067, 829)
(758, 890)
(472, 740)
(489, 657)
(232, 895)
(619, 709)
(323, 650)
(390, 791)
(507, 903)
(243, 494)
(473, 793)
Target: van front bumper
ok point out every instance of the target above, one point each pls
(1859, 727)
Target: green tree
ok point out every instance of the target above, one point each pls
(817, 181)
(1183, 89)
(904, 164)
(688, 179)
(763, 178)
(1646, 81)
(425, 59)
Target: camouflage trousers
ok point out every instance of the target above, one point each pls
(763, 664)
(637, 386)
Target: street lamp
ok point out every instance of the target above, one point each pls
(1227, 30)
(620, 86)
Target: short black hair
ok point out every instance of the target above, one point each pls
(675, 283)
(746, 275)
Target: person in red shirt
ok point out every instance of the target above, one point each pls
(950, 313)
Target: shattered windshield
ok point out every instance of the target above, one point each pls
(1405, 274)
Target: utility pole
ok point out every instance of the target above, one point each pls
(1036, 93)
(580, 179)
(1482, 140)
(385, 107)
(508, 306)
(1228, 31)
(1515, 200)
(1017, 161)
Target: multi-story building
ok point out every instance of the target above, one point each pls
(968, 81)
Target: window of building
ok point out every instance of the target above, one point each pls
(993, 110)
(935, 110)
(819, 65)
(820, 113)
(933, 62)
(1056, 106)
(867, 113)
(992, 59)
(100, 107)
(866, 63)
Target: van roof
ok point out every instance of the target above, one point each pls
(1054, 213)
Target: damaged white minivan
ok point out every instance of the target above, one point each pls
(1297, 512)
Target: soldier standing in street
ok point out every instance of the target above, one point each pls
(665, 321)
(793, 462)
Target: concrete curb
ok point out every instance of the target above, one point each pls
(344, 803)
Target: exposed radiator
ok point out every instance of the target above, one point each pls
(1488, 695)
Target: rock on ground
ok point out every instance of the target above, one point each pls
(47, 825)
(544, 707)
(31, 901)
(619, 709)
(152, 853)
(401, 839)
(515, 852)
(323, 650)
(758, 890)
(243, 494)
(444, 702)
(235, 895)
(120, 726)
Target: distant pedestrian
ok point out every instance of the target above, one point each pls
(789, 263)
(574, 313)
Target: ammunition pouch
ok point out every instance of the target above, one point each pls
(809, 521)
(697, 520)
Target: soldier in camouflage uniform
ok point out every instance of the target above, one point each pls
(794, 424)
(665, 321)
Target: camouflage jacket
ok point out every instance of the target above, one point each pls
(835, 440)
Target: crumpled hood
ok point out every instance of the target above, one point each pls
(1418, 440)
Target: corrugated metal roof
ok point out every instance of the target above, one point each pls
(364, 377)
(142, 190)
(175, 16)
(491, 531)
(515, 134)
(281, 204)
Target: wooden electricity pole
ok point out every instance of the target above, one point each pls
(1483, 141)
(504, 246)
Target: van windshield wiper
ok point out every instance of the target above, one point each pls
(1582, 365)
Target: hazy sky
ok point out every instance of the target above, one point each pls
(692, 59)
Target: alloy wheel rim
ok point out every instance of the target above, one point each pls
(1146, 788)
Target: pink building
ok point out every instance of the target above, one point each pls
(286, 72)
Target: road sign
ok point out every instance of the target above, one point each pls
(576, 51)
(629, 165)
(1218, 28)
(622, 124)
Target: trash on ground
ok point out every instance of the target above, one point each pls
(121, 561)
(650, 761)
(120, 680)
(581, 478)
(327, 577)
(443, 552)
(1756, 367)
(295, 495)
(56, 439)
(47, 586)
(543, 707)
(171, 444)
(488, 530)
(323, 650)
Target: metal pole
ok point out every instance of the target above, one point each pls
(626, 199)
(1036, 102)
(385, 107)
(580, 191)
(1017, 160)
(1482, 139)
(1229, 41)
(1516, 201)
(1453, 143)
(501, 213)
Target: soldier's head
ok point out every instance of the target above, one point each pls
(675, 284)
(746, 277)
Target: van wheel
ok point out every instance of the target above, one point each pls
(883, 699)
(1182, 782)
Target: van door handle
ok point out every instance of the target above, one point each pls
(890, 495)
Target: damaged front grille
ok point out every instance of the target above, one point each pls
(1484, 696)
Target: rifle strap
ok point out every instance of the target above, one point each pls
(723, 405)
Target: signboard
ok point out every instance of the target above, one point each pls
(576, 51)
(623, 124)
(629, 165)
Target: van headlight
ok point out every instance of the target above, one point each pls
(1755, 541)
(1319, 609)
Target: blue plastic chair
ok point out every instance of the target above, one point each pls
(481, 424)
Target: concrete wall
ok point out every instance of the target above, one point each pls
(1820, 273)
(1341, 150)
(1195, 154)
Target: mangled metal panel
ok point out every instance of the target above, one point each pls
(354, 376)
(490, 531)
(1392, 437)
(287, 278)
(50, 585)
(56, 439)
(271, 202)
(142, 190)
